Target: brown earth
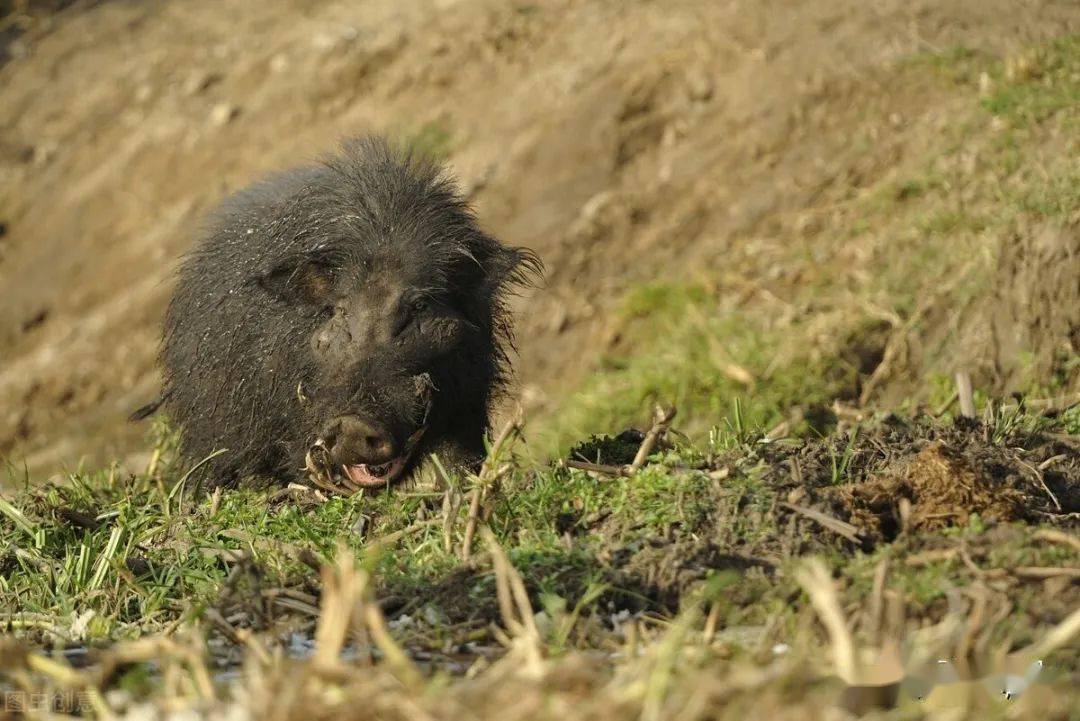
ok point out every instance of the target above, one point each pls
(623, 141)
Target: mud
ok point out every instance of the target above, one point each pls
(947, 474)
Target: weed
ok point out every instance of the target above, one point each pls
(840, 466)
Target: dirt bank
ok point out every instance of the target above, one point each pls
(622, 141)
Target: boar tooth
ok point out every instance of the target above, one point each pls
(415, 438)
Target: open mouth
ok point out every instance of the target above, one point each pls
(346, 479)
(368, 476)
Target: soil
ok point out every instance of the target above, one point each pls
(700, 147)
(947, 475)
(951, 478)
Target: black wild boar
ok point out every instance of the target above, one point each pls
(340, 320)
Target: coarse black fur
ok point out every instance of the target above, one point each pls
(336, 289)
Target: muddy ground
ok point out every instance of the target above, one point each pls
(622, 141)
(939, 539)
(904, 487)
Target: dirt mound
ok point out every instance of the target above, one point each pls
(614, 450)
(940, 489)
(920, 476)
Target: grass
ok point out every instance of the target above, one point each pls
(1038, 83)
(958, 64)
(841, 464)
(684, 348)
(697, 534)
(433, 140)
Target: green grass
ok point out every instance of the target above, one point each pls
(685, 349)
(105, 557)
(698, 533)
(1045, 81)
(152, 557)
(958, 64)
(149, 559)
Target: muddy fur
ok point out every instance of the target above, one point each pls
(333, 289)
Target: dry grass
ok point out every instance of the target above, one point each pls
(668, 672)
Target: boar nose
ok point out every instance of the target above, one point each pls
(353, 440)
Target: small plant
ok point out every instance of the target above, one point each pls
(840, 466)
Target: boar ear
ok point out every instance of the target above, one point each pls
(298, 282)
(493, 272)
(506, 268)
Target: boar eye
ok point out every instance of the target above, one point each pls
(316, 283)
(409, 314)
(308, 283)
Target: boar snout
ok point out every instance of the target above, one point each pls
(352, 440)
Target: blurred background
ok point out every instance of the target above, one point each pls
(821, 208)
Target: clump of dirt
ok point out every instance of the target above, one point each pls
(611, 450)
(947, 473)
(942, 489)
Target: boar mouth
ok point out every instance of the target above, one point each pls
(367, 476)
(363, 475)
(350, 478)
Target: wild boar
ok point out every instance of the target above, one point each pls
(343, 320)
